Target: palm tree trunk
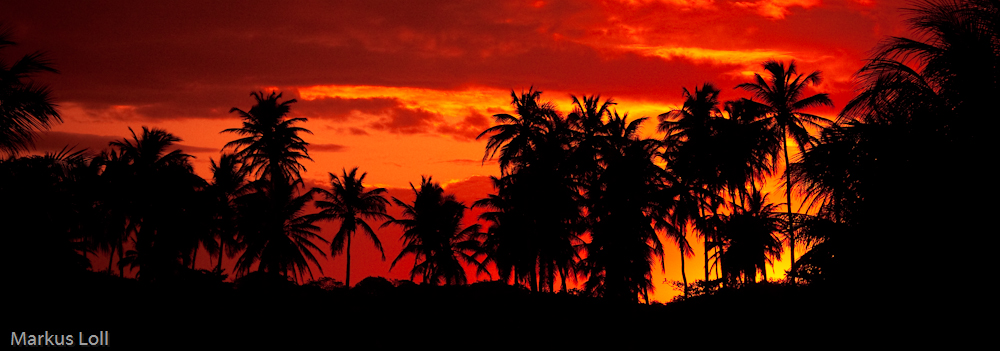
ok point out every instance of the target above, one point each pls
(701, 214)
(684, 276)
(348, 279)
(222, 251)
(534, 278)
(121, 268)
(788, 197)
(562, 275)
(194, 257)
(111, 259)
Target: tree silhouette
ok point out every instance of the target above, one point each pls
(782, 98)
(161, 192)
(277, 234)
(51, 213)
(691, 155)
(622, 211)
(352, 205)
(228, 184)
(537, 193)
(750, 241)
(26, 107)
(270, 144)
(921, 98)
(434, 236)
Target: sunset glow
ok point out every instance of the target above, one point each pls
(402, 89)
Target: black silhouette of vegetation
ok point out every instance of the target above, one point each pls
(433, 234)
(352, 205)
(889, 187)
(27, 107)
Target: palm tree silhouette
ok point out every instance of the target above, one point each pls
(537, 193)
(433, 234)
(228, 184)
(276, 232)
(692, 154)
(518, 138)
(27, 107)
(352, 205)
(270, 144)
(782, 98)
(160, 187)
(622, 210)
(749, 236)
(51, 219)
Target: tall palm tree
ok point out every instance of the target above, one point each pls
(25, 107)
(923, 97)
(782, 96)
(434, 235)
(691, 152)
(537, 188)
(352, 205)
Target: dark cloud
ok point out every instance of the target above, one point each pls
(51, 141)
(357, 131)
(327, 147)
(403, 120)
(340, 108)
(199, 149)
(470, 162)
(54, 141)
(123, 60)
(468, 129)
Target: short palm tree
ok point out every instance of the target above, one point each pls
(749, 236)
(276, 233)
(434, 235)
(352, 205)
(782, 97)
(160, 192)
(228, 184)
(25, 107)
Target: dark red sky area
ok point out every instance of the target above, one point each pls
(400, 89)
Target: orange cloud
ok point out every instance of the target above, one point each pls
(777, 9)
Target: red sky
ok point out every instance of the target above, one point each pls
(401, 89)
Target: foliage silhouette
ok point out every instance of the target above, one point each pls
(26, 107)
(782, 99)
(277, 234)
(536, 212)
(621, 211)
(161, 197)
(228, 184)
(352, 205)
(50, 216)
(749, 238)
(270, 145)
(433, 235)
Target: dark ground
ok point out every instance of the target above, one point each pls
(482, 315)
